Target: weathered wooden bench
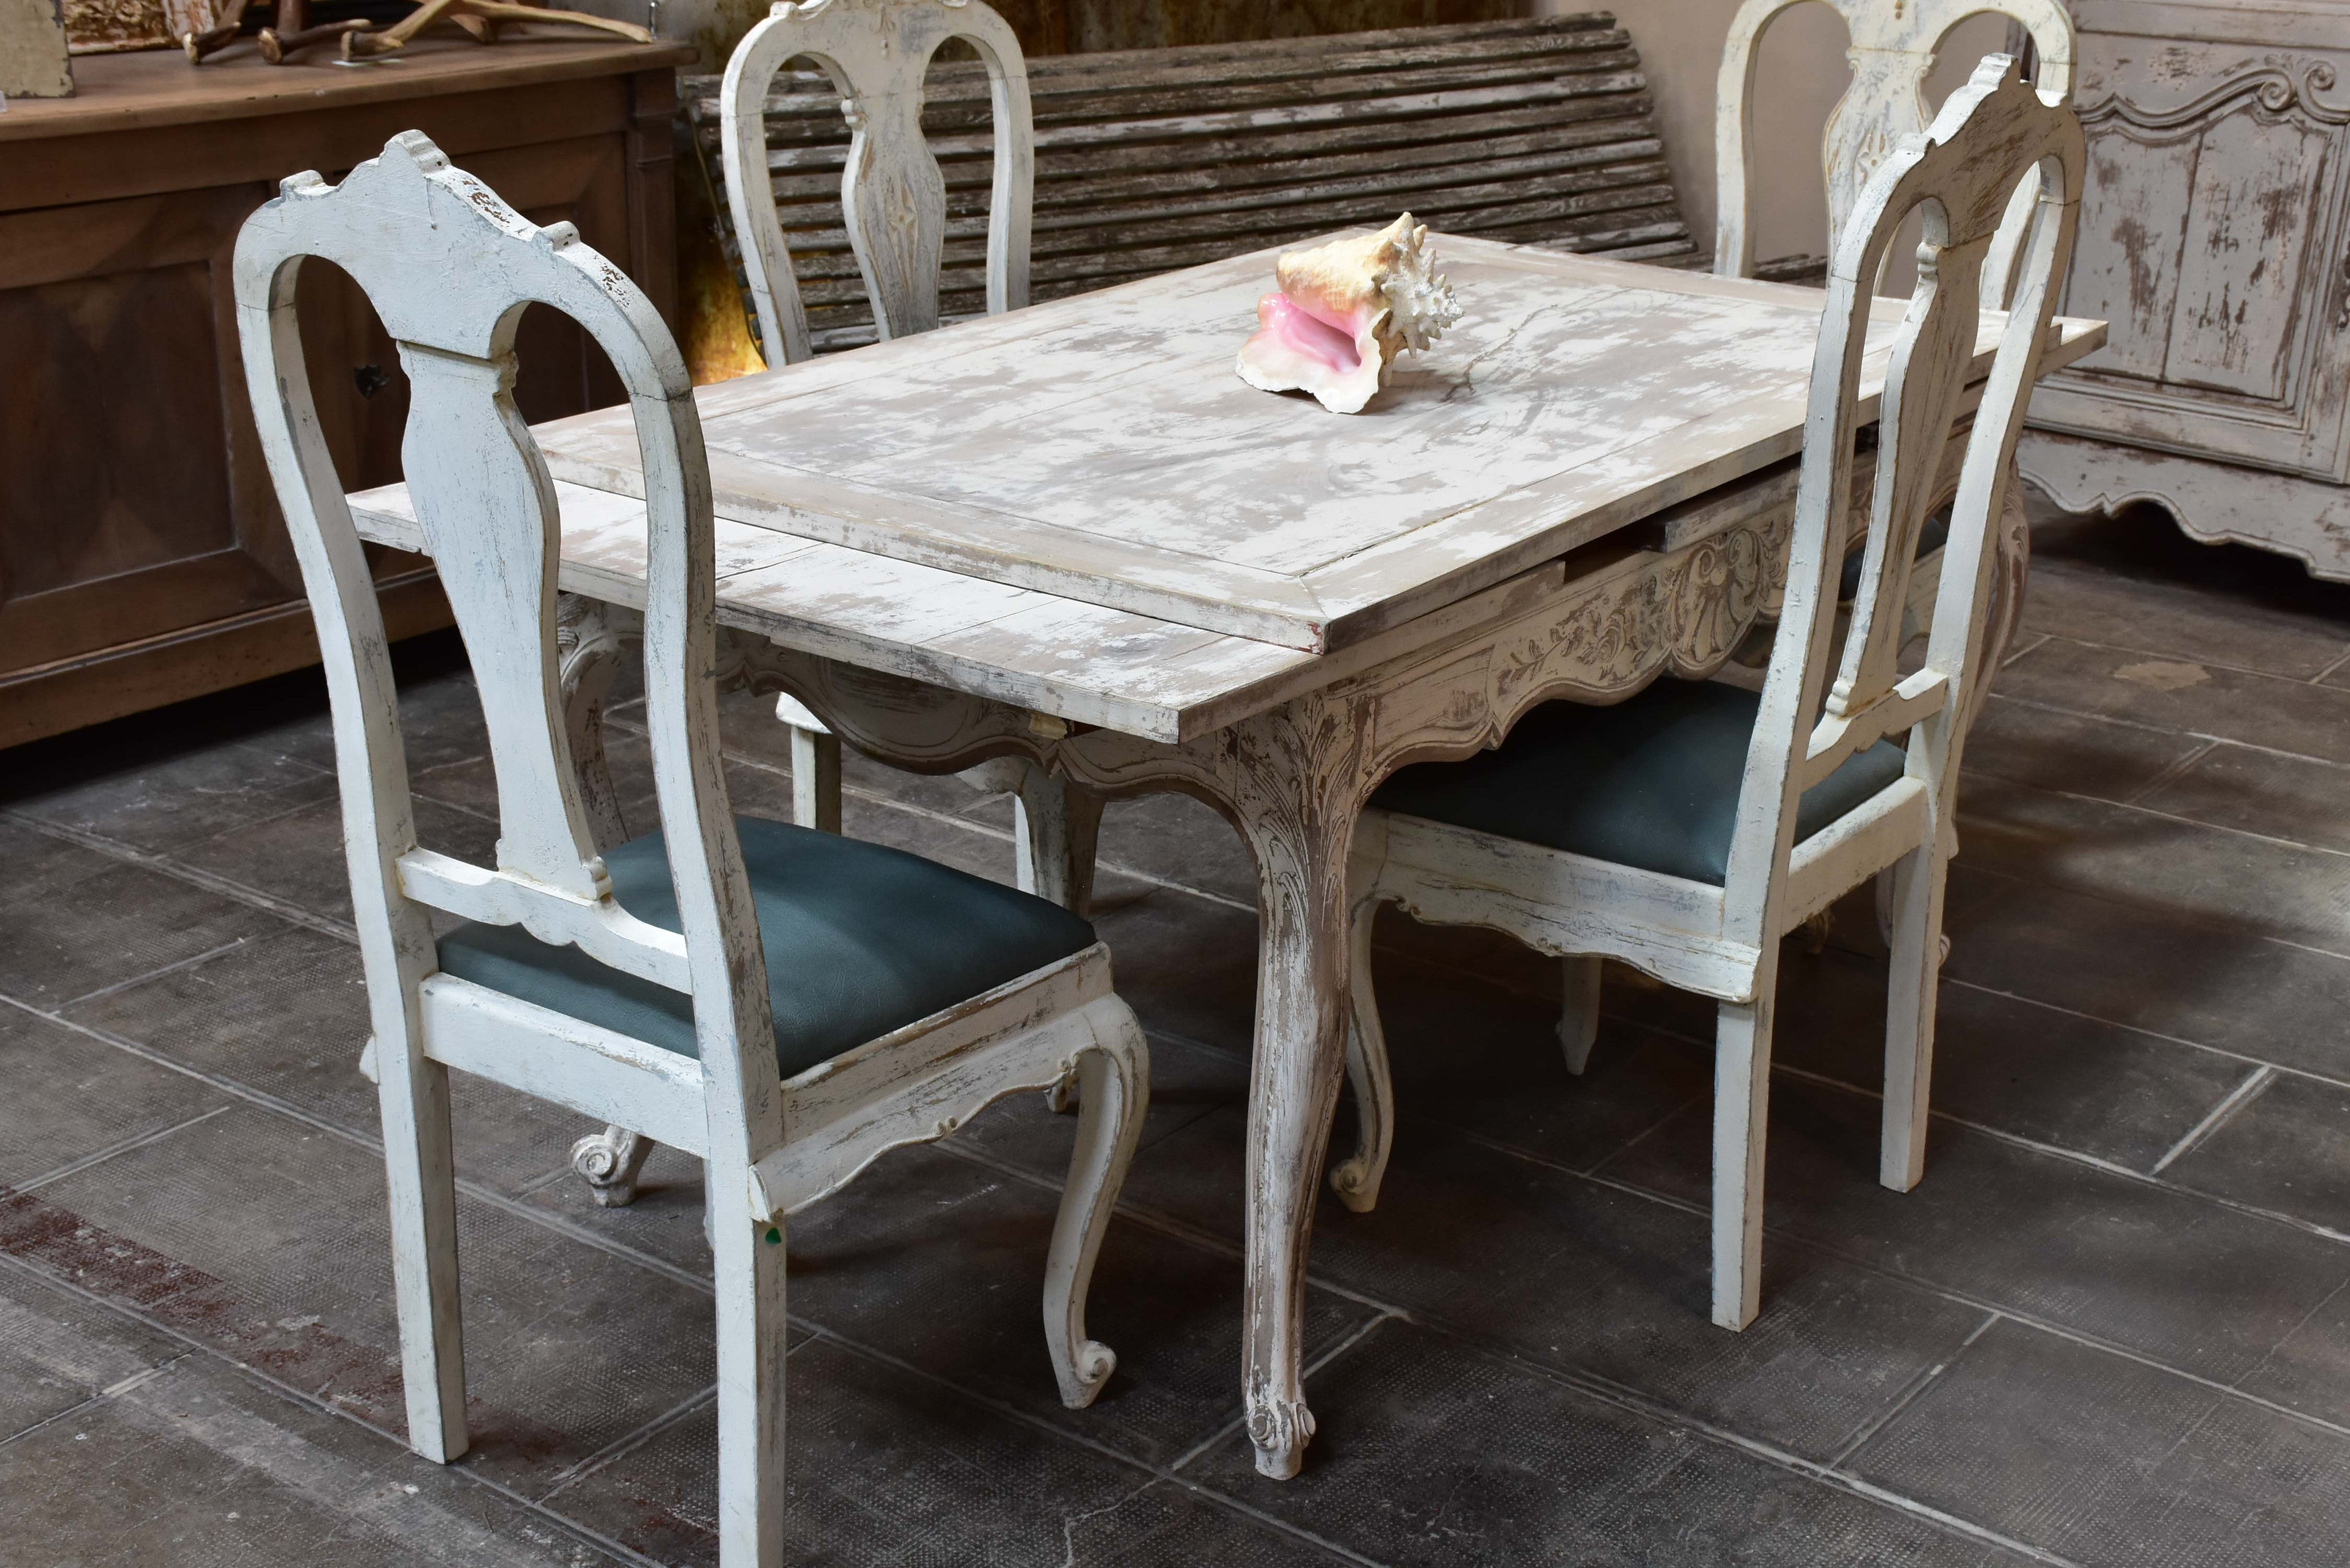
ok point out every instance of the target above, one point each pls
(1539, 131)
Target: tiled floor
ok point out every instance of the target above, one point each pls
(2111, 1327)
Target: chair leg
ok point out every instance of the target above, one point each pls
(1114, 1091)
(1356, 1180)
(610, 1161)
(815, 767)
(1578, 1017)
(1913, 981)
(1056, 835)
(747, 1257)
(421, 1175)
(1741, 1107)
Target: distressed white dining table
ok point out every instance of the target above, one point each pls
(1071, 535)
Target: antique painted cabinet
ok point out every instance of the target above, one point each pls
(142, 556)
(2215, 238)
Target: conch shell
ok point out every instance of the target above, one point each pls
(1345, 310)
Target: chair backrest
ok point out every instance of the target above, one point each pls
(1893, 44)
(893, 198)
(449, 268)
(1957, 177)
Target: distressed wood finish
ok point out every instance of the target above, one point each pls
(1265, 517)
(2216, 235)
(142, 557)
(893, 199)
(938, 670)
(892, 202)
(1723, 941)
(450, 269)
(1148, 161)
(1893, 44)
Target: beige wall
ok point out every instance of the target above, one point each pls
(1802, 74)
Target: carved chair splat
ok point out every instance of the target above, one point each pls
(670, 982)
(1893, 44)
(1821, 721)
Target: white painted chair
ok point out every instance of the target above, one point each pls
(785, 1003)
(1687, 830)
(1893, 44)
(893, 199)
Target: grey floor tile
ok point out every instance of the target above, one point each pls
(200, 1468)
(2116, 1093)
(1187, 1082)
(887, 1468)
(2105, 1460)
(2208, 981)
(298, 857)
(2159, 1272)
(1589, 1278)
(2191, 621)
(2261, 791)
(2206, 875)
(70, 1096)
(2310, 1371)
(90, 922)
(2288, 1150)
(2180, 694)
(1472, 1055)
(58, 1352)
(471, 783)
(939, 1264)
(1187, 966)
(29, 859)
(286, 1015)
(2025, 744)
(663, 1223)
(183, 798)
(268, 1243)
(1430, 1453)
(1180, 840)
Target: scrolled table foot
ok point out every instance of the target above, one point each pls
(1280, 1428)
(1355, 1183)
(611, 1160)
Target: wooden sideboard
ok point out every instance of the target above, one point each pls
(142, 559)
(2215, 238)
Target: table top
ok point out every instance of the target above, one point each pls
(977, 627)
(148, 87)
(1101, 448)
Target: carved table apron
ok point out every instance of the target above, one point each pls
(1118, 680)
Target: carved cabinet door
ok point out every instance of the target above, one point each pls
(2212, 236)
(135, 508)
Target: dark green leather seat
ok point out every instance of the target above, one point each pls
(1651, 782)
(860, 940)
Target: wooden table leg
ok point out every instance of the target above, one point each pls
(1294, 784)
(589, 635)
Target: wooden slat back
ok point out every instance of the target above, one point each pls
(449, 268)
(1148, 161)
(1893, 46)
(1959, 177)
(889, 199)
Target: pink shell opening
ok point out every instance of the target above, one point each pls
(1284, 323)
